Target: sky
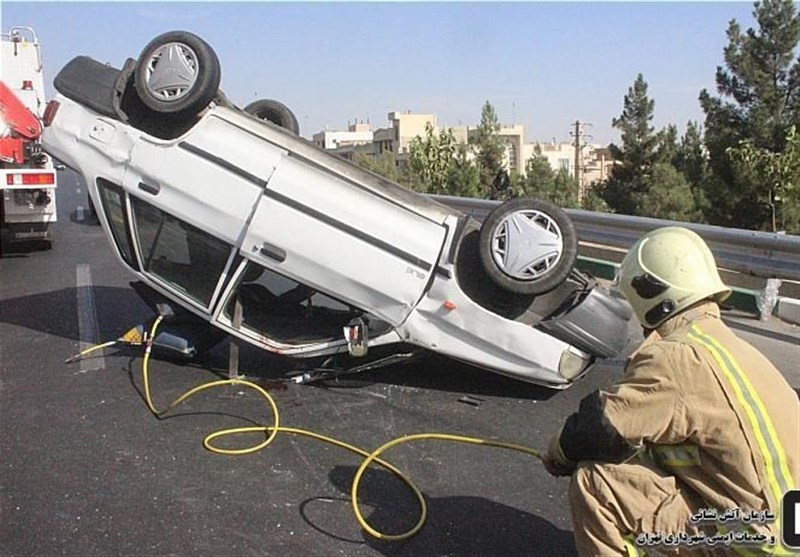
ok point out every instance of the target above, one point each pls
(540, 64)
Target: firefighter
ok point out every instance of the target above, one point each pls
(699, 440)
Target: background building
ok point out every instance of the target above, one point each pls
(595, 161)
(404, 127)
(598, 166)
(356, 134)
(561, 156)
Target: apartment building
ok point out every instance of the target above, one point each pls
(598, 166)
(595, 161)
(404, 127)
(356, 134)
(561, 156)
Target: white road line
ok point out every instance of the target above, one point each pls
(88, 330)
(79, 213)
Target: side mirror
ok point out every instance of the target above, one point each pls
(356, 333)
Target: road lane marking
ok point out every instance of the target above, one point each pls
(88, 331)
(79, 213)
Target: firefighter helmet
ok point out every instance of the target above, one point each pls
(666, 271)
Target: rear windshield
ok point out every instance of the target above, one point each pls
(115, 208)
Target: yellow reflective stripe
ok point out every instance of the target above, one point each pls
(779, 478)
(631, 549)
(676, 456)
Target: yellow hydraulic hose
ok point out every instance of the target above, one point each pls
(89, 350)
(273, 430)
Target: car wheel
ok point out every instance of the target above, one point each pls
(177, 72)
(275, 112)
(528, 246)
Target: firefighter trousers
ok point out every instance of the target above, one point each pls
(614, 504)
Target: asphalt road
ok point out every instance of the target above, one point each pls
(86, 469)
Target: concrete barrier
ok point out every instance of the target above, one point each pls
(788, 309)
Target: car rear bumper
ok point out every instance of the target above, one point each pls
(595, 322)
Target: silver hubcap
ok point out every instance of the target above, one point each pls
(527, 244)
(171, 71)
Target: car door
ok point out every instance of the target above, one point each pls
(210, 178)
(191, 199)
(324, 229)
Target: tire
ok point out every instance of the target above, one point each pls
(177, 72)
(275, 112)
(528, 246)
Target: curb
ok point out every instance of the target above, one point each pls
(788, 309)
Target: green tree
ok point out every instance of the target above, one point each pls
(759, 101)
(490, 151)
(463, 179)
(688, 157)
(516, 185)
(543, 183)
(565, 193)
(668, 196)
(691, 161)
(779, 173)
(593, 201)
(383, 164)
(668, 147)
(638, 153)
(539, 176)
(431, 159)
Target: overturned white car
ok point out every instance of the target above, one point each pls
(234, 217)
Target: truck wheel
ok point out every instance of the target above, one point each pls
(275, 112)
(177, 72)
(528, 246)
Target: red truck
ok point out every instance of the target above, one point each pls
(27, 174)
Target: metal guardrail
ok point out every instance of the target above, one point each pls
(760, 254)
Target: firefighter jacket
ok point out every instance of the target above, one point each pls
(708, 407)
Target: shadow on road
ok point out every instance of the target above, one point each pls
(460, 525)
(432, 372)
(119, 309)
(55, 312)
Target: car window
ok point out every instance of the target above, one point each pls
(180, 254)
(285, 310)
(115, 207)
